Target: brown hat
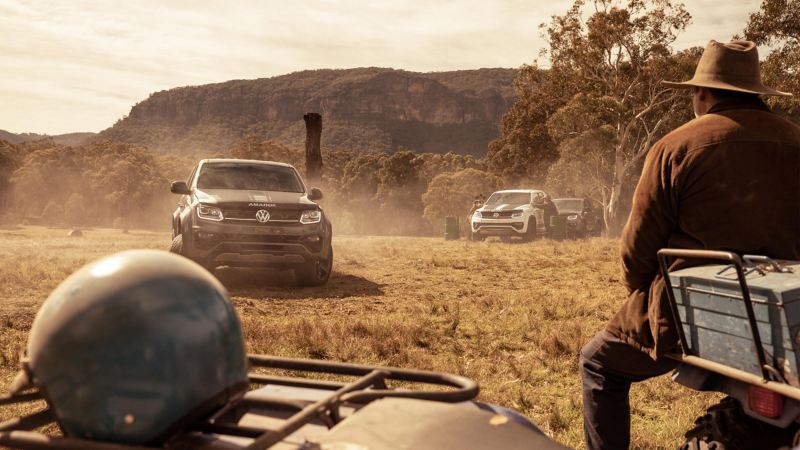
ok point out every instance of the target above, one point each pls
(732, 66)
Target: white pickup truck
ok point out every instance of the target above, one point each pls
(510, 213)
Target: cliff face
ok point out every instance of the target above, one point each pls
(369, 109)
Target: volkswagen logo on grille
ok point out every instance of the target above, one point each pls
(262, 215)
(496, 215)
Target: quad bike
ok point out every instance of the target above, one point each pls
(143, 349)
(739, 334)
(285, 412)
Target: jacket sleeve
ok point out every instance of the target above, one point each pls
(653, 216)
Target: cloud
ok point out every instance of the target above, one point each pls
(94, 59)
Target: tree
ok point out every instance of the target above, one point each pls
(777, 23)
(399, 193)
(586, 166)
(452, 193)
(101, 181)
(524, 150)
(607, 73)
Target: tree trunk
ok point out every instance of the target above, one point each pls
(605, 202)
(313, 151)
(613, 223)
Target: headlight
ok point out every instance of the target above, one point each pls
(572, 217)
(477, 214)
(516, 214)
(209, 213)
(311, 216)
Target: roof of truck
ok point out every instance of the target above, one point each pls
(248, 161)
(520, 191)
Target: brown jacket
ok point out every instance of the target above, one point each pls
(729, 180)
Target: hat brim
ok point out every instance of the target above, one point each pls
(715, 84)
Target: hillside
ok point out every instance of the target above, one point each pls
(63, 139)
(368, 109)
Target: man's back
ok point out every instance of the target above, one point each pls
(729, 180)
(737, 182)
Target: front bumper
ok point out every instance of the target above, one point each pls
(499, 227)
(256, 245)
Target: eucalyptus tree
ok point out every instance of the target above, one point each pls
(600, 105)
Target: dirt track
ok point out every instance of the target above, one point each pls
(512, 316)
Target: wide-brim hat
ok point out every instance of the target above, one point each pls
(732, 66)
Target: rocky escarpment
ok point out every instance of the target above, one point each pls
(370, 109)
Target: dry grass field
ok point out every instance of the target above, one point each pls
(511, 316)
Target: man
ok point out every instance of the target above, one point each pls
(550, 210)
(476, 204)
(727, 180)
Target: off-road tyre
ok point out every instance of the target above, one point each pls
(530, 232)
(316, 273)
(725, 426)
(177, 248)
(177, 245)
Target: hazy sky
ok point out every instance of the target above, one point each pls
(79, 65)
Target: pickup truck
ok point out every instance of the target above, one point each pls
(248, 213)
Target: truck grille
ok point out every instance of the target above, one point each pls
(249, 215)
(500, 214)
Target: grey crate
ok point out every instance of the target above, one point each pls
(714, 318)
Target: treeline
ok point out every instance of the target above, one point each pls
(587, 121)
(102, 184)
(581, 127)
(109, 183)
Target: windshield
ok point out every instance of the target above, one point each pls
(254, 177)
(569, 204)
(509, 198)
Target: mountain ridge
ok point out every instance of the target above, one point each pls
(364, 109)
(76, 138)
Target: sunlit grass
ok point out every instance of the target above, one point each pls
(513, 317)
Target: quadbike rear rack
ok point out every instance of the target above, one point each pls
(370, 385)
(768, 373)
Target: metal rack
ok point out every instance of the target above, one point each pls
(769, 374)
(370, 384)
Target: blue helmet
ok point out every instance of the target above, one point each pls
(130, 347)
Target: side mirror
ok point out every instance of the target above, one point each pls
(180, 187)
(314, 194)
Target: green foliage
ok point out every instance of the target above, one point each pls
(589, 120)
(777, 23)
(399, 193)
(109, 183)
(452, 193)
(525, 149)
(90, 185)
(586, 165)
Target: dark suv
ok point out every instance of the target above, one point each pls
(246, 213)
(582, 216)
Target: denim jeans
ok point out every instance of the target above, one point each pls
(608, 366)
